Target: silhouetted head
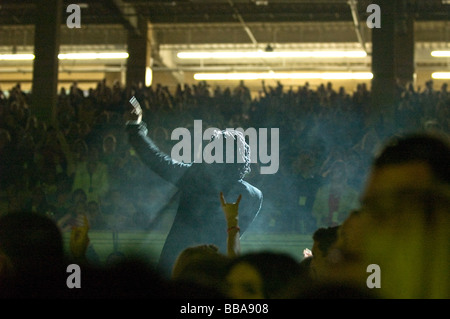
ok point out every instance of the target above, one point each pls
(405, 210)
(228, 153)
(261, 275)
(429, 149)
(32, 260)
(409, 175)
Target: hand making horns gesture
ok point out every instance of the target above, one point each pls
(231, 210)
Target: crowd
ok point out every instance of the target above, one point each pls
(46, 167)
(330, 142)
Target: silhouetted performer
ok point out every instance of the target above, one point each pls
(199, 218)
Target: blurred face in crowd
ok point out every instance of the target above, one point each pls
(390, 209)
(345, 259)
(408, 211)
(79, 196)
(390, 194)
(109, 144)
(351, 234)
(80, 208)
(338, 175)
(398, 202)
(80, 150)
(245, 282)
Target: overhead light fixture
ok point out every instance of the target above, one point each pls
(286, 76)
(93, 56)
(68, 56)
(440, 54)
(16, 57)
(441, 75)
(148, 76)
(270, 54)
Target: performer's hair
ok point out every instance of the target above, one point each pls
(241, 148)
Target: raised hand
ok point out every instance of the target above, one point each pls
(231, 210)
(307, 253)
(133, 111)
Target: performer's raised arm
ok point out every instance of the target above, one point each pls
(148, 152)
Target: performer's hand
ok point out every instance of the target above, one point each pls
(133, 111)
(231, 210)
(307, 253)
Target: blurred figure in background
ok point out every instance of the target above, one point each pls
(335, 198)
(92, 176)
(307, 182)
(403, 225)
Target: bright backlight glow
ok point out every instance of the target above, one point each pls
(16, 57)
(92, 56)
(441, 75)
(68, 56)
(440, 54)
(148, 76)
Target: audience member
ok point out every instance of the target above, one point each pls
(62, 198)
(115, 258)
(261, 274)
(202, 266)
(403, 223)
(335, 198)
(95, 216)
(92, 176)
(8, 162)
(38, 203)
(307, 183)
(73, 218)
(32, 257)
(323, 240)
(407, 201)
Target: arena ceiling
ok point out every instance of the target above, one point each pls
(224, 25)
(23, 12)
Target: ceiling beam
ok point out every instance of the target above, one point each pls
(356, 22)
(129, 15)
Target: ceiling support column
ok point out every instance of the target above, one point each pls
(45, 67)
